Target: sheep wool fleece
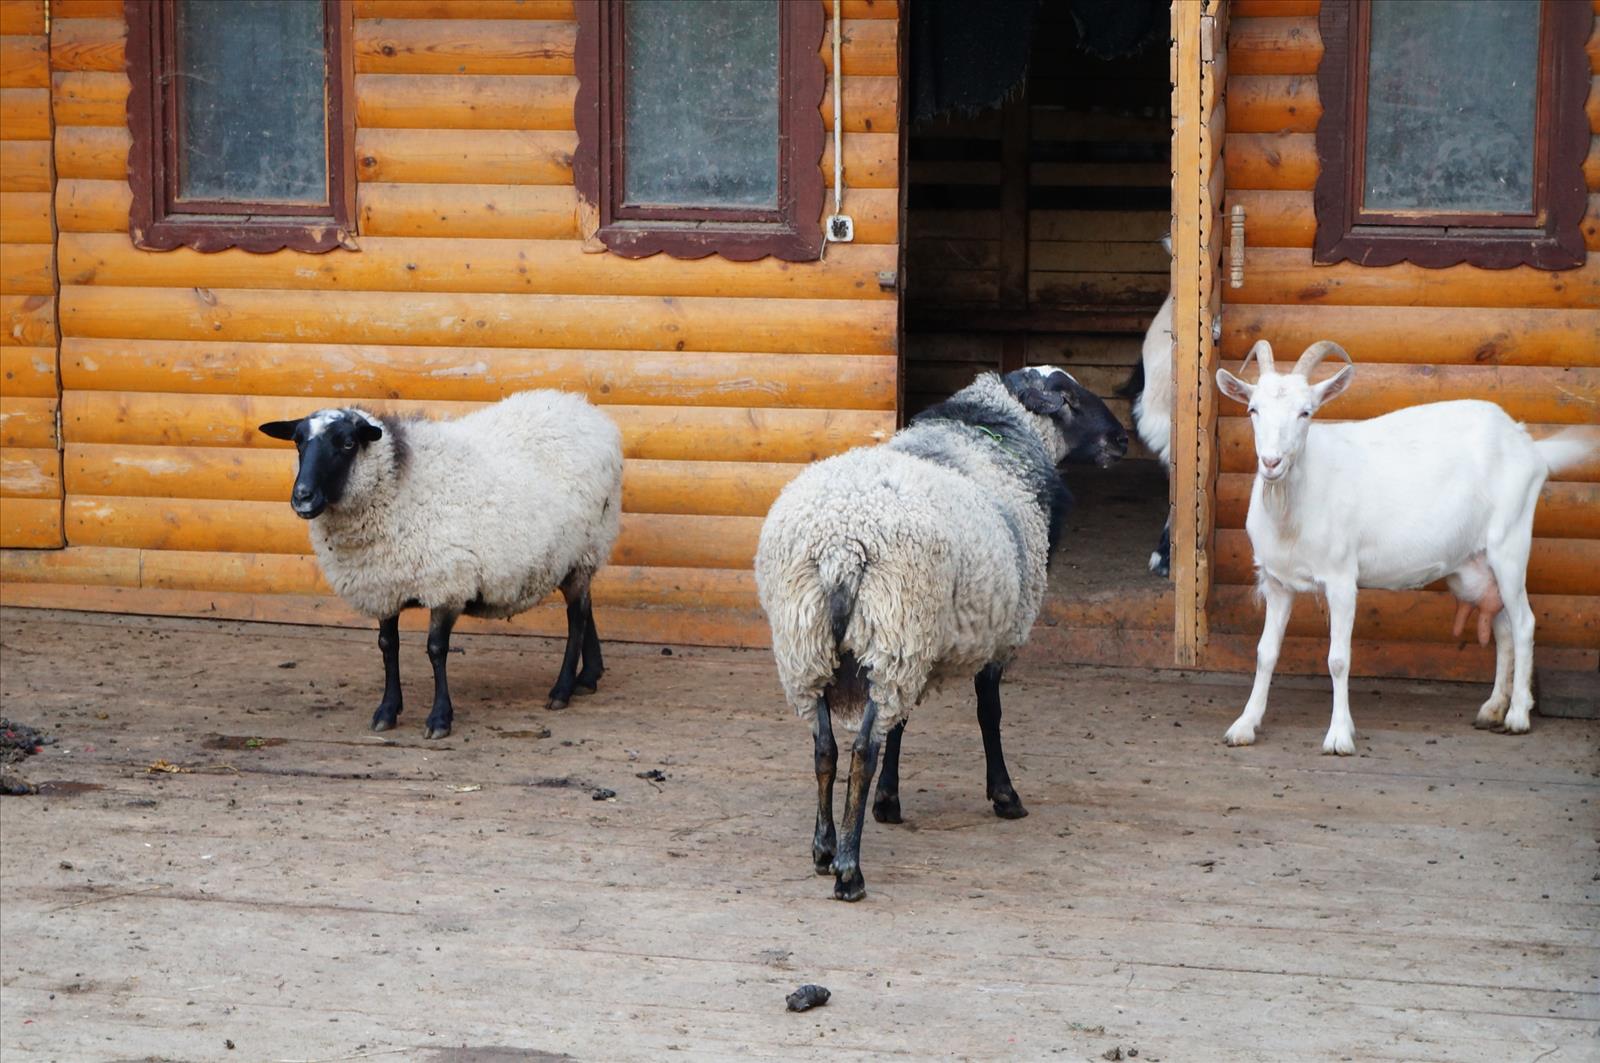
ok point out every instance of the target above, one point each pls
(923, 557)
(486, 514)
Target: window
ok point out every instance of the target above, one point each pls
(699, 129)
(1453, 131)
(242, 132)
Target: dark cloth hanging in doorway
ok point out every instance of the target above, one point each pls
(967, 57)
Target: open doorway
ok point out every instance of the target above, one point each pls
(1033, 237)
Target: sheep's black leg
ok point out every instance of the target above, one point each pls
(886, 804)
(848, 885)
(389, 644)
(825, 755)
(1007, 805)
(440, 623)
(593, 666)
(577, 622)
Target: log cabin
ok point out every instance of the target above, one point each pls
(449, 201)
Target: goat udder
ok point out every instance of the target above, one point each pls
(1487, 607)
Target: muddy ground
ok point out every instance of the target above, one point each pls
(285, 885)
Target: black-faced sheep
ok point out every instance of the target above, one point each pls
(484, 515)
(889, 568)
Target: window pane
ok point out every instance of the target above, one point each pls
(1450, 106)
(253, 120)
(702, 103)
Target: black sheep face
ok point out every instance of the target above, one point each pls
(1089, 430)
(328, 442)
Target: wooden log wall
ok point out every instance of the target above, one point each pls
(470, 283)
(30, 460)
(1076, 175)
(1525, 338)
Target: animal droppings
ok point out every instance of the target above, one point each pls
(807, 997)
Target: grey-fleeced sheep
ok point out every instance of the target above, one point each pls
(484, 515)
(889, 568)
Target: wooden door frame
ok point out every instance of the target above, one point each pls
(1199, 72)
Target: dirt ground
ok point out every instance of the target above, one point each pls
(305, 890)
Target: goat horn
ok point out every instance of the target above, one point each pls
(1316, 353)
(1261, 352)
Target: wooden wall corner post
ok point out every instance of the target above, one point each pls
(1199, 45)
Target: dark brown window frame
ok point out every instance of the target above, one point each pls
(792, 232)
(158, 222)
(1550, 238)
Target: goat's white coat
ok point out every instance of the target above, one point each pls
(494, 509)
(1442, 490)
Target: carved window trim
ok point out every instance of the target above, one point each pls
(1550, 238)
(793, 231)
(157, 222)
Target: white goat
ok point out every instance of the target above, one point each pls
(1443, 490)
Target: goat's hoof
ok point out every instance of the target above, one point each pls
(1240, 736)
(437, 730)
(383, 721)
(886, 809)
(557, 703)
(1490, 718)
(823, 862)
(849, 886)
(1341, 745)
(1515, 724)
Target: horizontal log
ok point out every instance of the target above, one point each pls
(548, 10)
(96, 153)
(876, 212)
(93, 206)
(27, 422)
(1142, 256)
(868, 104)
(1124, 225)
(1274, 45)
(1565, 510)
(24, 62)
(481, 374)
(1273, 103)
(947, 286)
(686, 433)
(1270, 160)
(484, 320)
(28, 372)
(478, 101)
(27, 321)
(97, 44)
(25, 218)
(1272, 219)
(86, 8)
(92, 98)
(31, 523)
(24, 114)
(1555, 566)
(30, 472)
(21, 17)
(464, 46)
(526, 212)
(1538, 394)
(867, 47)
(854, 9)
(1236, 448)
(464, 156)
(272, 528)
(476, 265)
(1287, 275)
(25, 269)
(707, 488)
(871, 160)
(1420, 335)
(24, 166)
(677, 626)
(1400, 660)
(1405, 616)
(1242, 9)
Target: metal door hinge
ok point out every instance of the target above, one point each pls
(1236, 248)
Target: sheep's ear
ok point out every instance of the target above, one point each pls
(1024, 385)
(1234, 388)
(279, 429)
(368, 432)
(1334, 386)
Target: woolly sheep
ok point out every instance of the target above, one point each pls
(1444, 490)
(887, 569)
(484, 515)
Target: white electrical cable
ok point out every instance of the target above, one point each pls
(838, 122)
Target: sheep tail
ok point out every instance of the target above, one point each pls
(841, 575)
(1563, 450)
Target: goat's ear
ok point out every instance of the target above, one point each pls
(279, 429)
(1233, 387)
(368, 432)
(1334, 386)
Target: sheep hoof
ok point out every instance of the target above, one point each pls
(823, 862)
(1010, 808)
(437, 731)
(557, 704)
(886, 809)
(850, 887)
(583, 689)
(382, 721)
